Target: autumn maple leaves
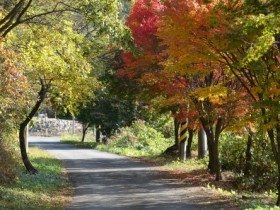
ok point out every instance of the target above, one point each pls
(214, 62)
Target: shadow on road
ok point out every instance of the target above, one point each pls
(107, 181)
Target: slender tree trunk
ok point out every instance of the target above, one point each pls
(22, 128)
(85, 128)
(278, 161)
(175, 147)
(28, 165)
(274, 136)
(176, 132)
(97, 133)
(189, 145)
(278, 187)
(210, 143)
(248, 163)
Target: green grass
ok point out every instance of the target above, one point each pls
(89, 143)
(248, 200)
(49, 189)
(167, 162)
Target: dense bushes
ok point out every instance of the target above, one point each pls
(263, 170)
(142, 137)
(9, 159)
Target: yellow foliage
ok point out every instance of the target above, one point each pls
(215, 94)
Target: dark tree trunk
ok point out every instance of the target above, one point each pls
(278, 187)
(211, 153)
(97, 133)
(85, 128)
(189, 145)
(174, 149)
(28, 165)
(248, 163)
(278, 164)
(214, 165)
(22, 128)
(176, 132)
(213, 135)
(216, 162)
(274, 136)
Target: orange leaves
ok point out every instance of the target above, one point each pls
(192, 30)
(13, 85)
(12, 81)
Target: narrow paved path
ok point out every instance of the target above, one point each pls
(107, 181)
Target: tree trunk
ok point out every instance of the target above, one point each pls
(214, 165)
(274, 136)
(85, 128)
(22, 128)
(28, 165)
(278, 187)
(176, 132)
(189, 145)
(97, 133)
(213, 135)
(277, 158)
(202, 143)
(211, 154)
(216, 162)
(248, 163)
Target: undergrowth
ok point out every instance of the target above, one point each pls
(49, 189)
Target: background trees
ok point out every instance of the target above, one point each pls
(52, 50)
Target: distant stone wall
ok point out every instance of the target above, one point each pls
(54, 127)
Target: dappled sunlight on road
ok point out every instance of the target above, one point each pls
(108, 181)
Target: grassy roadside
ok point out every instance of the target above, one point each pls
(193, 172)
(49, 189)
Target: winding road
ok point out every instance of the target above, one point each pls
(106, 181)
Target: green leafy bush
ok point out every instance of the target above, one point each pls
(9, 157)
(140, 136)
(263, 174)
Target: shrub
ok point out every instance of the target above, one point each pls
(263, 172)
(140, 136)
(8, 159)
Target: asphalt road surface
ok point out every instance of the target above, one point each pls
(107, 181)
